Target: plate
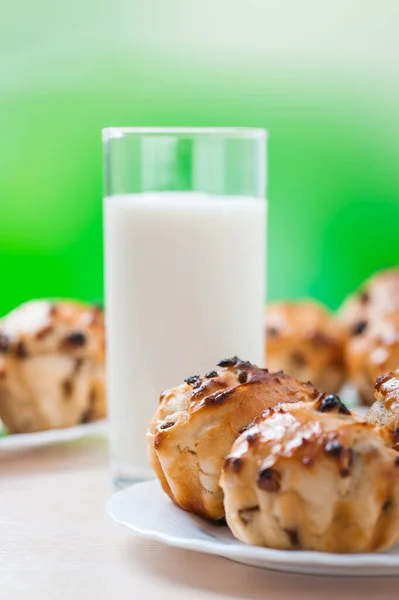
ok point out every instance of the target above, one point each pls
(146, 510)
(21, 441)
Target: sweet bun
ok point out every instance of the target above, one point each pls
(51, 366)
(385, 410)
(313, 476)
(371, 353)
(197, 422)
(303, 340)
(376, 298)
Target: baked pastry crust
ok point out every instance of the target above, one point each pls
(51, 366)
(372, 353)
(313, 476)
(385, 410)
(303, 339)
(196, 423)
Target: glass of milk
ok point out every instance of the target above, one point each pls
(185, 267)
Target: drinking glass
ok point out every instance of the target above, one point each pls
(185, 267)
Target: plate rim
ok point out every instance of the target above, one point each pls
(20, 441)
(305, 558)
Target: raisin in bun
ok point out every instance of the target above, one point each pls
(303, 340)
(51, 366)
(376, 298)
(313, 476)
(385, 410)
(371, 353)
(196, 423)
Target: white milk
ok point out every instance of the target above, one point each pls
(185, 287)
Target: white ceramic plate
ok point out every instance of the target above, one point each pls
(20, 441)
(146, 510)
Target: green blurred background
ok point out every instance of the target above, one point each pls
(322, 77)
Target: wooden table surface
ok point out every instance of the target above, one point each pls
(56, 542)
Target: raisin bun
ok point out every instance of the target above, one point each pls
(196, 423)
(385, 410)
(303, 340)
(313, 476)
(372, 352)
(377, 297)
(51, 366)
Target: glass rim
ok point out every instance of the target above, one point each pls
(254, 133)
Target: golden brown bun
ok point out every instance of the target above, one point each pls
(377, 297)
(385, 410)
(303, 339)
(197, 422)
(371, 353)
(51, 366)
(313, 476)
